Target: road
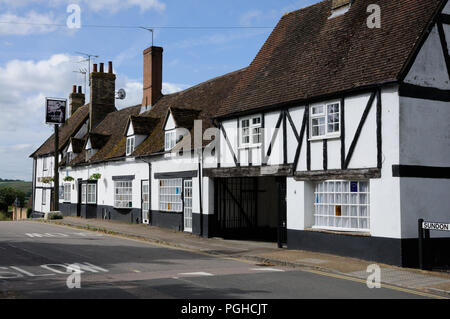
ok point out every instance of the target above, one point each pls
(36, 261)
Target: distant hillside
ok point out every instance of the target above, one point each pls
(23, 186)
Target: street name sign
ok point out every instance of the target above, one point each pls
(436, 226)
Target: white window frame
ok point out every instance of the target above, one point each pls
(83, 193)
(123, 194)
(67, 192)
(329, 201)
(91, 194)
(324, 115)
(130, 146)
(45, 164)
(251, 131)
(44, 196)
(170, 140)
(170, 195)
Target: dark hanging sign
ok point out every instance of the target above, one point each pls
(55, 111)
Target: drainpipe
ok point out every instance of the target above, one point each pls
(200, 182)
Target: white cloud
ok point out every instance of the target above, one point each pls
(248, 17)
(30, 23)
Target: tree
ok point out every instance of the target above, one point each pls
(7, 197)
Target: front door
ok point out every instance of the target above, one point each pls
(188, 205)
(145, 202)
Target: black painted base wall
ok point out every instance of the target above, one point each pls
(167, 220)
(398, 252)
(102, 212)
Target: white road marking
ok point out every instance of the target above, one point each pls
(196, 274)
(29, 273)
(59, 235)
(266, 269)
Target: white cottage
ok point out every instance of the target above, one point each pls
(334, 139)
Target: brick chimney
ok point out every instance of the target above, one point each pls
(76, 99)
(103, 90)
(152, 76)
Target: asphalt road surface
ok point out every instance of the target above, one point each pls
(37, 261)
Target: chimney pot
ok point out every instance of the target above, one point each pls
(110, 67)
(95, 68)
(74, 89)
(80, 91)
(102, 67)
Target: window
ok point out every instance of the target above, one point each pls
(170, 195)
(67, 192)
(251, 131)
(342, 205)
(123, 194)
(45, 164)
(70, 156)
(91, 194)
(170, 140)
(130, 145)
(325, 120)
(83, 193)
(44, 197)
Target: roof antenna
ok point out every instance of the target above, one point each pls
(89, 57)
(83, 72)
(149, 29)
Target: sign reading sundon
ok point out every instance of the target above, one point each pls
(55, 110)
(436, 226)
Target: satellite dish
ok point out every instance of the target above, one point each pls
(121, 94)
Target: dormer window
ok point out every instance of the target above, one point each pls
(130, 147)
(170, 140)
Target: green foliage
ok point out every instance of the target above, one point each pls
(47, 180)
(68, 179)
(54, 216)
(96, 176)
(8, 196)
(4, 217)
(29, 212)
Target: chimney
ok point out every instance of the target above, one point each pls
(152, 76)
(103, 90)
(76, 99)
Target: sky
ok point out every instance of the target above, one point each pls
(39, 54)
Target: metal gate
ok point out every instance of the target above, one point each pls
(236, 206)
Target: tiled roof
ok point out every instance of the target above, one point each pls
(143, 125)
(309, 55)
(66, 131)
(77, 144)
(202, 100)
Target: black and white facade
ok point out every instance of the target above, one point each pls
(348, 173)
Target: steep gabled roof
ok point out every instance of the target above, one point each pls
(66, 131)
(98, 140)
(309, 55)
(77, 144)
(142, 125)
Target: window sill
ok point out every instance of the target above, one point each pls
(321, 138)
(355, 233)
(246, 147)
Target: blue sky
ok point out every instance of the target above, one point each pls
(38, 59)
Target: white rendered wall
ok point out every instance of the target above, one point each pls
(425, 141)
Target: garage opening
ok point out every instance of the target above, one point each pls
(251, 208)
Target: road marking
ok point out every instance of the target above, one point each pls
(59, 235)
(157, 244)
(29, 273)
(196, 274)
(409, 291)
(267, 269)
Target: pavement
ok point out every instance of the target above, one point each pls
(267, 254)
